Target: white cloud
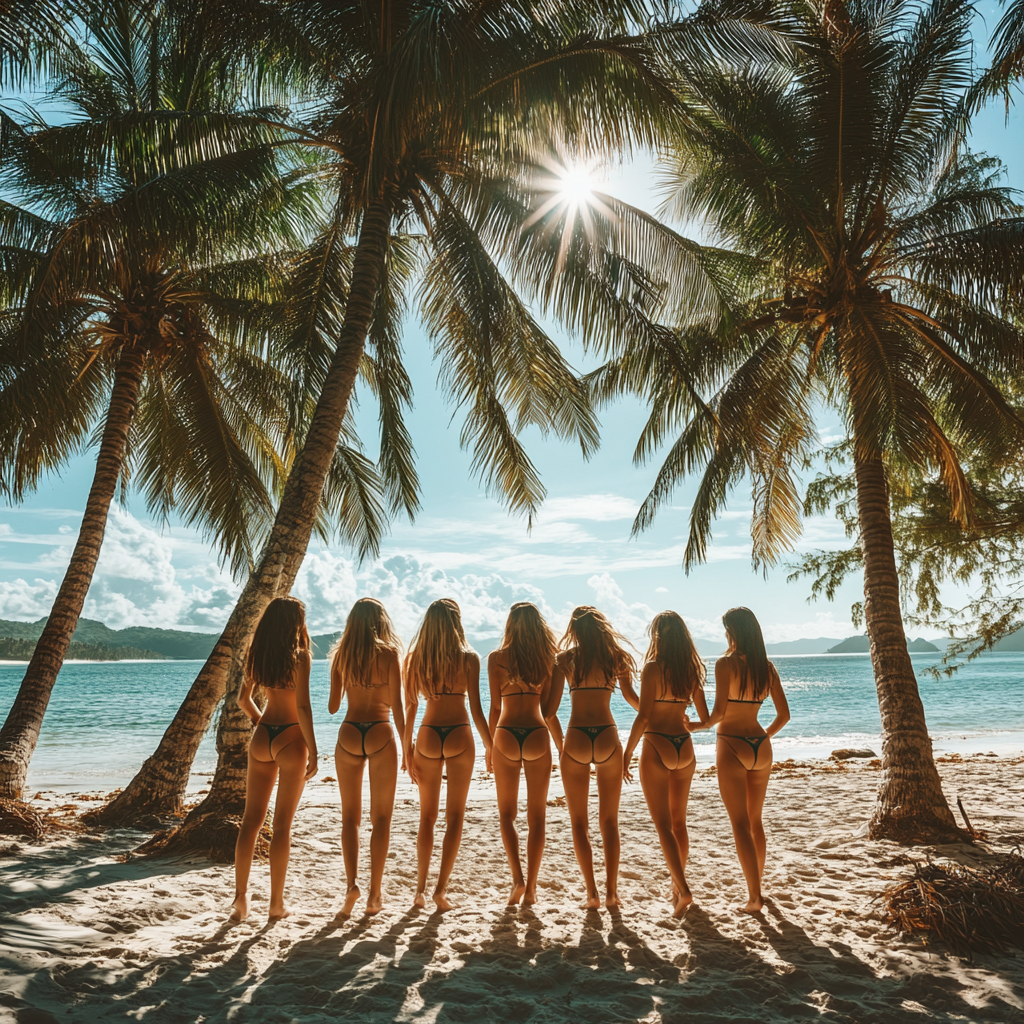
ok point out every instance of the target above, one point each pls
(25, 601)
(5, 530)
(329, 584)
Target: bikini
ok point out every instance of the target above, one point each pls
(521, 732)
(443, 731)
(592, 731)
(273, 731)
(678, 740)
(754, 742)
(364, 728)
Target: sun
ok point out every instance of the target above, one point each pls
(576, 185)
(566, 201)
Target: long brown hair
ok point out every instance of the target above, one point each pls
(530, 643)
(368, 631)
(591, 640)
(744, 632)
(672, 647)
(436, 652)
(279, 639)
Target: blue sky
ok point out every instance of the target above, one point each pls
(463, 544)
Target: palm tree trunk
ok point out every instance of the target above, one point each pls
(911, 806)
(283, 553)
(20, 733)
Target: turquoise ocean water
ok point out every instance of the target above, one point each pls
(105, 718)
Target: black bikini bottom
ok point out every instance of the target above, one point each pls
(443, 732)
(592, 732)
(754, 742)
(364, 728)
(678, 740)
(273, 731)
(520, 732)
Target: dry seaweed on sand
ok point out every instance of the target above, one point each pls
(972, 910)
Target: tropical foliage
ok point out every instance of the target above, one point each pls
(877, 267)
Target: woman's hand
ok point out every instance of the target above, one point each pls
(489, 760)
(627, 771)
(311, 766)
(410, 767)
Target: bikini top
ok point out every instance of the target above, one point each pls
(574, 689)
(736, 700)
(671, 700)
(526, 690)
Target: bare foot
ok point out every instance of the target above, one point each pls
(593, 902)
(277, 913)
(442, 901)
(241, 907)
(516, 895)
(529, 897)
(613, 901)
(373, 903)
(350, 901)
(753, 906)
(420, 901)
(683, 901)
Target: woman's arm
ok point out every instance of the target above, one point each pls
(723, 681)
(700, 705)
(246, 703)
(549, 709)
(646, 706)
(626, 686)
(302, 704)
(495, 677)
(781, 704)
(334, 700)
(476, 709)
(395, 693)
(412, 704)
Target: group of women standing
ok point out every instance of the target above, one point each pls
(528, 676)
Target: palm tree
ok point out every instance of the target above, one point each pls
(875, 265)
(421, 114)
(132, 270)
(1007, 56)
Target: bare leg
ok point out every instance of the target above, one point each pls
(609, 790)
(576, 780)
(383, 780)
(667, 793)
(460, 775)
(538, 778)
(732, 784)
(429, 770)
(757, 786)
(259, 784)
(506, 783)
(291, 761)
(349, 768)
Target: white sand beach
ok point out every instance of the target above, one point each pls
(86, 936)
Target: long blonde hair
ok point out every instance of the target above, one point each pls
(368, 631)
(530, 644)
(436, 652)
(280, 637)
(672, 648)
(591, 640)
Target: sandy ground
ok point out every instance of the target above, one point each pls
(86, 937)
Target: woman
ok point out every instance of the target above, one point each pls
(672, 678)
(744, 679)
(519, 675)
(283, 745)
(365, 669)
(592, 661)
(442, 668)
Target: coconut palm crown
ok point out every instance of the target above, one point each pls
(883, 271)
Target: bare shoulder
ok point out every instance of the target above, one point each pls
(472, 660)
(563, 660)
(650, 673)
(498, 658)
(304, 658)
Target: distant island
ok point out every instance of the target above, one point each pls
(862, 645)
(13, 649)
(95, 641)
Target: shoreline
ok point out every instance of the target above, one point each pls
(88, 936)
